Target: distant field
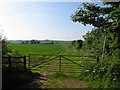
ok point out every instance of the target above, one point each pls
(26, 49)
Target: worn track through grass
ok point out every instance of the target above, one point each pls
(47, 80)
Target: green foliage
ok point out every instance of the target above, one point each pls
(5, 49)
(106, 23)
(105, 74)
(77, 44)
(89, 14)
(106, 19)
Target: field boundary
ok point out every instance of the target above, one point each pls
(60, 57)
(9, 60)
(50, 57)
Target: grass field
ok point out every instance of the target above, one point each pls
(26, 49)
(50, 70)
(62, 47)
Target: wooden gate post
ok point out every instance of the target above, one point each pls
(9, 61)
(60, 64)
(29, 61)
(24, 61)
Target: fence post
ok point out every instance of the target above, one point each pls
(60, 64)
(29, 61)
(9, 61)
(24, 61)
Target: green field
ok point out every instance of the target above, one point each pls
(51, 69)
(26, 49)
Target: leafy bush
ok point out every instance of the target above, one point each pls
(5, 49)
(103, 75)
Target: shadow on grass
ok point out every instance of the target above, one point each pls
(17, 77)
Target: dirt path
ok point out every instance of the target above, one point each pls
(41, 81)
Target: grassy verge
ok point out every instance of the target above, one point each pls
(64, 80)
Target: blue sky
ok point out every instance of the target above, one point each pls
(36, 20)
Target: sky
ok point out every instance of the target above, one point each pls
(41, 20)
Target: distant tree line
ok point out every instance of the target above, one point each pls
(37, 42)
(77, 44)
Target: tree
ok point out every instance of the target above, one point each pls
(73, 42)
(77, 44)
(80, 43)
(95, 15)
(4, 45)
(105, 19)
(5, 49)
(33, 41)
